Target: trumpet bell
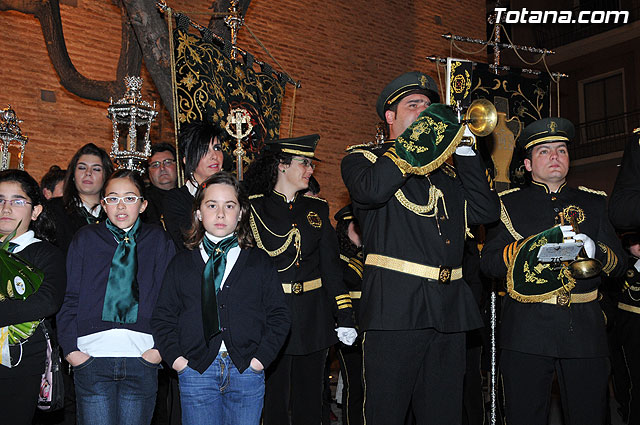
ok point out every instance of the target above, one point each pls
(481, 117)
(585, 268)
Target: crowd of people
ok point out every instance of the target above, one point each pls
(217, 302)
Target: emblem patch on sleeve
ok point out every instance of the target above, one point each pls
(574, 212)
(314, 219)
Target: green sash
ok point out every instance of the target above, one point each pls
(211, 281)
(122, 294)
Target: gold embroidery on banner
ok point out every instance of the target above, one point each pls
(529, 276)
(538, 243)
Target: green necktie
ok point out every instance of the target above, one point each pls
(211, 280)
(90, 218)
(12, 246)
(122, 295)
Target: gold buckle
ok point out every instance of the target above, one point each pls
(563, 298)
(444, 275)
(296, 288)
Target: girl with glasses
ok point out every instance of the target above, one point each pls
(23, 210)
(114, 271)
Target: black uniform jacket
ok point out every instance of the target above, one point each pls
(253, 315)
(45, 302)
(279, 225)
(624, 205)
(630, 299)
(548, 329)
(178, 203)
(397, 220)
(352, 270)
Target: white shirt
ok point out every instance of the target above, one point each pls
(24, 240)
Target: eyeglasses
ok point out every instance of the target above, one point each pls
(158, 164)
(306, 162)
(15, 202)
(114, 200)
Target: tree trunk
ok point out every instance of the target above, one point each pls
(48, 13)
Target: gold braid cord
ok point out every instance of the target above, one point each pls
(291, 235)
(422, 210)
(506, 220)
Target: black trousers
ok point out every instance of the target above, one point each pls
(422, 369)
(296, 383)
(18, 399)
(350, 358)
(527, 380)
(628, 333)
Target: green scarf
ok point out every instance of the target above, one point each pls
(122, 295)
(211, 280)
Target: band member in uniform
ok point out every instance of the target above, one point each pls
(624, 205)
(414, 211)
(551, 318)
(627, 326)
(350, 357)
(295, 230)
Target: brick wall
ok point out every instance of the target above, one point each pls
(342, 52)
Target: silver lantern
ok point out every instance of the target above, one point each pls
(131, 117)
(11, 136)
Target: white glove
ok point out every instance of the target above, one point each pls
(346, 335)
(467, 150)
(589, 244)
(567, 232)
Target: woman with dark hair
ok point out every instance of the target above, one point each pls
(201, 152)
(23, 210)
(294, 229)
(221, 317)
(80, 202)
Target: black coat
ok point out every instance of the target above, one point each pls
(624, 205)
(45, 302)
(69, 221)
(547, 329)
(253, 315)
(313, 324)
(178, 203)
(388, 206)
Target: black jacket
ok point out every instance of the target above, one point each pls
(396, 221)
(546, 329)
(274, 222)
(177, 205)
(68, 222)
(624, 205)
(253, 315)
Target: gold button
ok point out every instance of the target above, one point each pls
(442, 217)
(553, 198)
(448, 242)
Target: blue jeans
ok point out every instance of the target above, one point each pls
(221, 395)
(116, 391)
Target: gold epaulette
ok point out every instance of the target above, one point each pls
(636, 130)
(315, 197)
(365, 146)
(506, 192)
(597, 192)
(257, 195)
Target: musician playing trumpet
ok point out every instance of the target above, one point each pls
(551, 318)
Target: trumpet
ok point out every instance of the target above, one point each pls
(481, 118)
(582, 267)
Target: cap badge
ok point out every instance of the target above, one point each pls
(423, 81)
(553, 126)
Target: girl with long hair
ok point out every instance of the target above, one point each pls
(221, 317)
